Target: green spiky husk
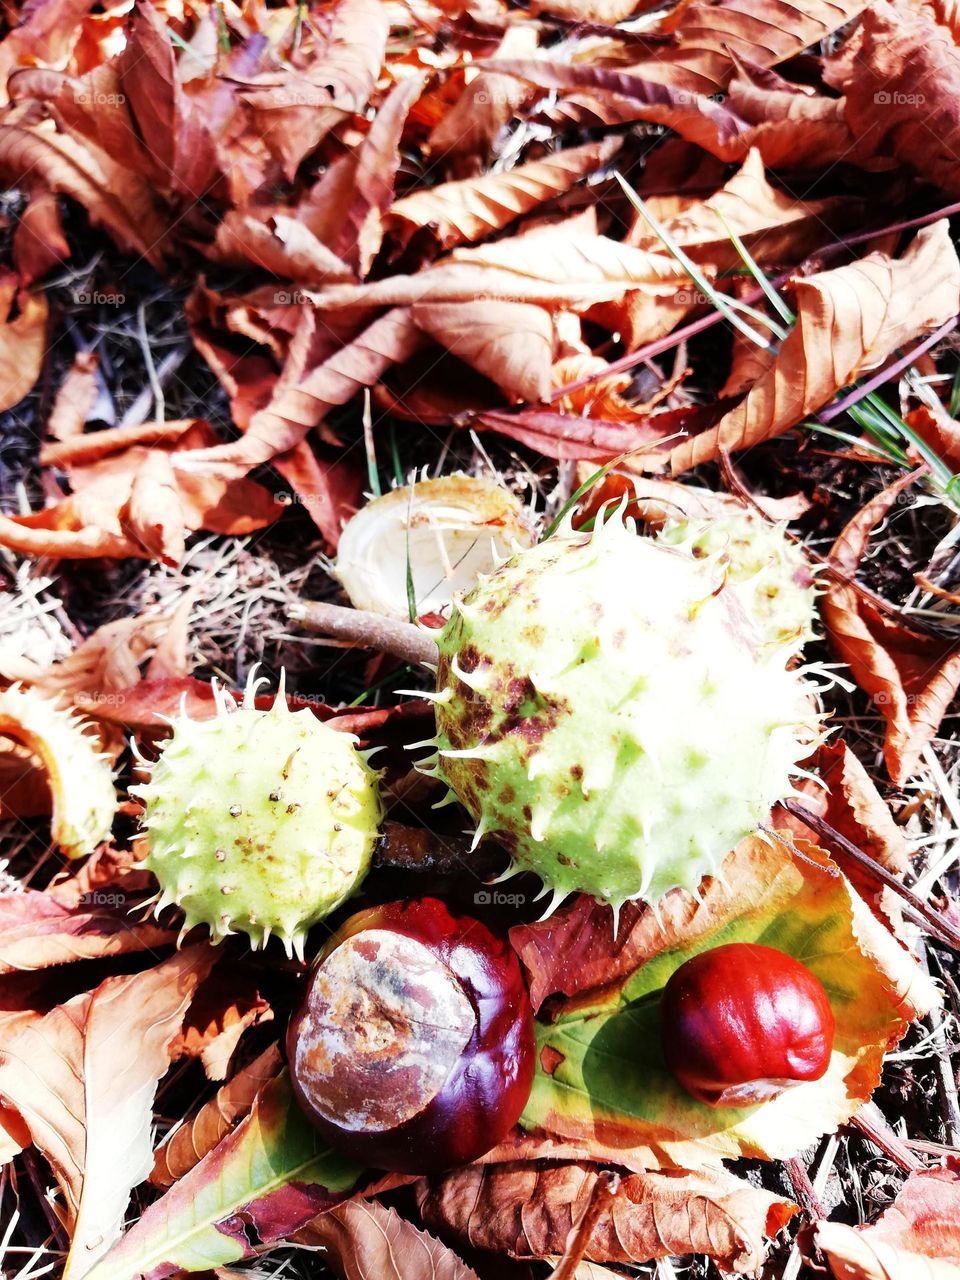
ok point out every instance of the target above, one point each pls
(608, 714)
(260, 822)
(771, 573)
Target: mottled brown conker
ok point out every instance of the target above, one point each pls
(413, 1048)
(741, 1023)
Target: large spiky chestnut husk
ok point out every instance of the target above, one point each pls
(769, 571)
(259, 822)
(607, 712)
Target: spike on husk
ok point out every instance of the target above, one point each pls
(662, 726)
(259, 822)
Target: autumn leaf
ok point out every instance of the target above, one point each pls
(226, 1005)
(364, 1240)
(849, 320)
(911, 676)
(39, 244)
(76, 396)
(37, 930)
(601, 1074)
(474, 207)
(83, 1078)
(527, 1209)
(276, 243)
(262, 1182)
(199, 1134)
(511, 342)
(23, 330)
(917, 1236)
(901, 92)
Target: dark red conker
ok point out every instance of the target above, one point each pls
(413, 1049)
(743, 1022)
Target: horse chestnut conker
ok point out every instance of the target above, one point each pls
(741, 1023)
(413, 1049)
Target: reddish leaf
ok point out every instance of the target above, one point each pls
(911, 676)
(36, 930)
(39, 244)
(22, 339)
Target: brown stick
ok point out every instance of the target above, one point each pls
(578, 1241)
(367, 631)
(933, 921)
(872, 1125)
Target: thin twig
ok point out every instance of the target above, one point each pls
(872, 1125)
(366, 630)
(604, 1191)
(935, 923)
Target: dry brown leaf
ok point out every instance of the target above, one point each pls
(849, 320)
(154, 513)
(39, 244)
(75, 398)
(709, 38)
(188, 1144)
(527, 1210)
(510, 342)
(22, 340)
(475, 207)
(854, 1255)
(902, 96)
(38, 931)
(83, 1078)
(915, 1238)
(911, 676)
(115, 198)
(282, 245)
(46, 34)
(364, 1240)
(296, 409)
(226, 1005)
(374, 176)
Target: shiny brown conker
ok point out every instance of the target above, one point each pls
(742, 1022)
(413, 1048)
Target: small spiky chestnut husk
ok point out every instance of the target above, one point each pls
(606, 711)
(259, 822)
(769, 571)
(81, 779)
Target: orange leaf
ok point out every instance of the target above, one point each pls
(511, 342)
(527, 1210)
(366, 1240)
(911, 676)
(22, 341)
(188, 1144)
(83, 1078)
(475, 207)
(850, 320)
(38, 242)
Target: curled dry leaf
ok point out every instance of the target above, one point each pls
(916, 1238)
(23, 331)
(601, 1073)
(264, 1181)
(279, 244)
(475, 207)
(710, 39)
(527, 1210)
(83, 1078)
(849, 320)
(76, 396)
(199, 1134)
(512, 343)
(297, 407)
(37, 930)
(902, 92)
(911, 676)
(364, 1240)
(226, 1005)
(39, 244)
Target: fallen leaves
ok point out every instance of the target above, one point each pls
(527, 1210)
(601, 1076)
(83, 1078)
(849, 320)
(368, 1241)
(911, 676)
(23, 329)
